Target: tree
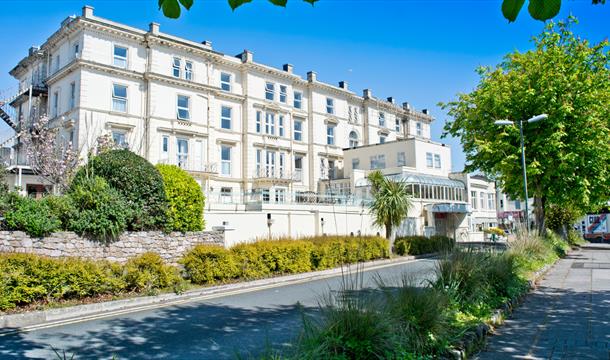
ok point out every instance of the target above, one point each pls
(539, 9)
(568, 154)
(171, 8)
(391, 203)
(52, 160)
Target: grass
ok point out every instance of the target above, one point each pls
(424, 322)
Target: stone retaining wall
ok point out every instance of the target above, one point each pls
(170, 246)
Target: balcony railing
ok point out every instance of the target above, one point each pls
(187, 163)
(277, 174)
(283, 197)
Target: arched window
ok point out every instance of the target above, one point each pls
(353, 139)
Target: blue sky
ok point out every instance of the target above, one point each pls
(420, 51)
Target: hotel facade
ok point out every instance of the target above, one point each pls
(259, 140)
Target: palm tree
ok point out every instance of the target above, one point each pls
(391, 203)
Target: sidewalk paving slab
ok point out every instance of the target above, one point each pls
(566, 317)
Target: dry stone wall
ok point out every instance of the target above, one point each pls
(170, 246)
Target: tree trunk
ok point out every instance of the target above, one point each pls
(388, 235)
(539, 203)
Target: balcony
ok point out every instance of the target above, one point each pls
(276, 175)
(189, 164)
(259, 198)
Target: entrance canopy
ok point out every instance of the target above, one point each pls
(411, 178)
(448, 208)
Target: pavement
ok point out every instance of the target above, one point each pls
(222, 327)
(566, 317)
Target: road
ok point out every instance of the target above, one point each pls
(225, 327)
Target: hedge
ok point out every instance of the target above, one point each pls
(137, 180)
(418, 245)
(31, 216)
(207, 264)
(28, 278)
(184, 197)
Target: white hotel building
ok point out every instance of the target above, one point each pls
(259, 140)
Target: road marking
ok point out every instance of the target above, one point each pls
(135, 309)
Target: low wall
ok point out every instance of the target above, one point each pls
(170, 246)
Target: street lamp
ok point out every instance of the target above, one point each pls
(531, 120)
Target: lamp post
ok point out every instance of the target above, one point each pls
(531, 120)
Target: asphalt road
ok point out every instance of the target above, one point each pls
(226, 327)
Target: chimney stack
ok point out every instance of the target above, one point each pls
(288, 68)
(153, 28)
(391, 100)
(207, 43)
(88, 11)
(425, 111)
(367, 94)
(343, 85)
(406, 106)
(246, 56)
(312, 76)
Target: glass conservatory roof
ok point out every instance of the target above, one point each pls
(411, 178)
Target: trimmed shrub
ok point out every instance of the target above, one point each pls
(332, 251)
(139, 183)
(32, 216)
(263, 258)
(418, 245)
(102, 212)
(26, 278)
(185, 199)
(205, 264)
(148, 273)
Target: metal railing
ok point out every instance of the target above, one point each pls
(277, 174)
(283, 197)
(187, 163)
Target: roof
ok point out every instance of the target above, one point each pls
(412, 178)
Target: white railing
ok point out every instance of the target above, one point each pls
(277, 174)
(271, 196)
(187, 163)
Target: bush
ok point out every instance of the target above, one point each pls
(32, 216)
(206, 264)
(27, 278)
(102, 212)
(575, 238)
(139, 183)
(462, 275)
(262, 258)
(61, 207)
(148, 273)
(418, 245)
(185, 198)
(332, 251)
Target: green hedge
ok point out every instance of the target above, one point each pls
(27, 278)
(208, 264)
(185, 199)
(418, 245)
(32, 216)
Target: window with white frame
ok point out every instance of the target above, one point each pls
(259, 121)
(177, 67)
(298, 167)
(401, 159)
(72, 95)
(355, 163)
(298, 99)
(482, 199)
(266, 195)
(119, 98)
(225, 81)
(120, 56)
(280, 125)
(183, 107)
(298, 130)
(188, 70)
(165, 147)
(353, 139)
(473, 199)
(378, 161)
(397, 124)
(280, 195)
(381, 119)
(429, 160)
(225, 160)
(330, 134)
(76, 49)
(270, 91)
(183, 152)
(330, 106)
(226, 195)
(283, 93)
(282, 165)
(270, 163)
(490, 201)
(382, 139)
(259, 155)
(270, 123)
(225, 117)
(437, 161)
(119, 138)
(418, 129)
